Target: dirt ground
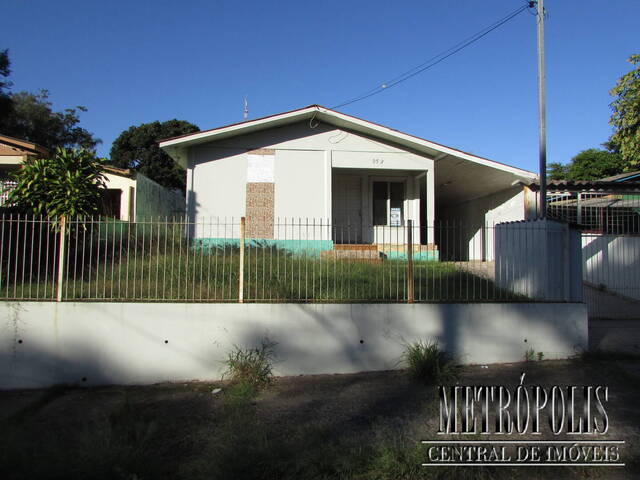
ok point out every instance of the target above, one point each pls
(356, 426)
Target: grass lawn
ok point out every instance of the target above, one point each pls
(362, 426)
(270, 275)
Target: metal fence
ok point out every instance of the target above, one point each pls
(610, 224)
(597, 212)
(224, 260)
(6, 186)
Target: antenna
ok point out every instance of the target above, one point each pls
(245, 112)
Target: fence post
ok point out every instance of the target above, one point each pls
(410, 261)
(63, 222)
(241, 267)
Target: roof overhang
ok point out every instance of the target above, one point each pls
(598, 186)
(28, 148)
(176, 147)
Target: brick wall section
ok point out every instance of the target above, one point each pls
(263, 151)
(260, 207)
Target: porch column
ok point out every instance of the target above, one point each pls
(431, 208)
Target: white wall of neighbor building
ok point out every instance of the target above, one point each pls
(43, 344)
(128, 187)
(612, 261)
(306, 159)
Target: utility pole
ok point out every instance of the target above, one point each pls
(542, 212)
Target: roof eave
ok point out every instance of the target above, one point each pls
(176, 147)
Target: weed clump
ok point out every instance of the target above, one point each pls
(250, 369)
(427, 362)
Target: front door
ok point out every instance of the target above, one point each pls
(347, 209)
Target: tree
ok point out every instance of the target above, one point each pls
(137, 149)
(5, 70)
(625, 117)
(67, 183)
(29, 116)
(32, 118)
(557, 171)
(591, 164)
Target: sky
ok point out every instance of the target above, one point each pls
(131, 62)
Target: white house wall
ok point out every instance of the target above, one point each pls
(216, 180)
(305, 160)
(475, 221)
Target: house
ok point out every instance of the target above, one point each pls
(609, 205)
(319, 167)
(128, 196)
(13, 152)
(131, 196)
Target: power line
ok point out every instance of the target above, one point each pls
(436, 59)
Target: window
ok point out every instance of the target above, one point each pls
(388, 203)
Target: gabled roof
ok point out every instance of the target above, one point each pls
(23, 145)
(121, 172)
(176, 147)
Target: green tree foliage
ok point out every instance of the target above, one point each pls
(30, 116)
(5, 70)
(625, 117)
(557, 171)
(591, 164)
(68, 183)
(137, 149)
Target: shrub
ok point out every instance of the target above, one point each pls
(251, 368)
(427, 362)
(529, 355)
(68, 183)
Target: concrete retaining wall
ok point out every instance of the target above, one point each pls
(42, 344)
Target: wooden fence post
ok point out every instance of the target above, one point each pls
(410, 261)
(241, 267)
(63, 222)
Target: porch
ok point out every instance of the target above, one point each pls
(373, 211)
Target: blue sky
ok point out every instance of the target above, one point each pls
(133, 62)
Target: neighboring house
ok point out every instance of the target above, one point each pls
(128, 195)
(608, 212)
(13, 152)
(366, 180)
(609, 205)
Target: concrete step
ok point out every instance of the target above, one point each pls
(358, 255)
(355, 247)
